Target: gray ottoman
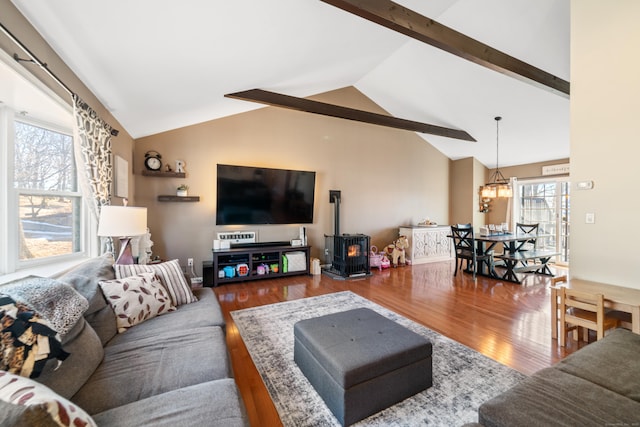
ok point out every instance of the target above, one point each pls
(360, 362)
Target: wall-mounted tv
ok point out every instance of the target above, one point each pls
(254, 195)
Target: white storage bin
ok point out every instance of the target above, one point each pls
(296, 261)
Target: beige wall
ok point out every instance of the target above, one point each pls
(605, 90)
(387, 177)
(480, 176)
(466, 176)
(461, 194)
(13, 20)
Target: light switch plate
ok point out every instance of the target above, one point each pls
(590, 218)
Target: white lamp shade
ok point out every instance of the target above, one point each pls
(122, 221)
(505, 190)
(488, 192)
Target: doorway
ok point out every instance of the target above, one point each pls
(546, 202)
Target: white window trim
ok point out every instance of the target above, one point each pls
(6, 262)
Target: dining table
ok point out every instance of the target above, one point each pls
(616, 297)
(511, 243)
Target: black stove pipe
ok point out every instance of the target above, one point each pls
(334, 197)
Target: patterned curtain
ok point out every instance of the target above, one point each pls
(92, 148)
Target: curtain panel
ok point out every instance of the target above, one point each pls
(92, 149)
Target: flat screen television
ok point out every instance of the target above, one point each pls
(253, 195)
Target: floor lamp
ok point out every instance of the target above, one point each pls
(123, 222)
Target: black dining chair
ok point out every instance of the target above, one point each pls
(522, 228)
(528, 245)
(464, 243)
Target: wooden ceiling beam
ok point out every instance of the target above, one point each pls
(419, 27)
(316, 107)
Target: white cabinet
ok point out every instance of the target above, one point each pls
(428, 244)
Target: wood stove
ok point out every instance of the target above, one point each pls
(350, 257)
(348, 254)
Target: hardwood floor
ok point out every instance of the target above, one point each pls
(507, 322)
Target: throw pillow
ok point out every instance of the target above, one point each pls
(26, 340)
(136, 299)
(169, 273)
(35, 404)
(57, 302)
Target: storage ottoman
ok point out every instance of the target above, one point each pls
(360, 362)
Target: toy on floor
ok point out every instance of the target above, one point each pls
(378, 259)
(396, 250)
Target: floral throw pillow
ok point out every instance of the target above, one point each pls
(170, 274)
(27, 341)
(136, 298)
(31, 401)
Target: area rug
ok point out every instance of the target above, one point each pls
(462, 377)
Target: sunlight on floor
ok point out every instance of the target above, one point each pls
(500, 351)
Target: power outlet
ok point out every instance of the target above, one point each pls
(189, 262)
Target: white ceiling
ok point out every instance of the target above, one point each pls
(158, 65)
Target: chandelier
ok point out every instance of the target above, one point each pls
(498, 185)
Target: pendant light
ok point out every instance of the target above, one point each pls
(498, 185)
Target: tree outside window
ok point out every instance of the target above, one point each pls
(49, 204)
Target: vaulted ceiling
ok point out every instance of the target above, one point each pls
(158, 65)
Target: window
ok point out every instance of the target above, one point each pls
(42, 214)
(49, 205)
(546, 202)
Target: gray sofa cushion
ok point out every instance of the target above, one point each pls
(209, 309)
(141, 368)
(612, 363)
(204, 312)
(85, 278)
(85, 355)
(213, 403)
(551, 397)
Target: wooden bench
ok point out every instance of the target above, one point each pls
(540, 257)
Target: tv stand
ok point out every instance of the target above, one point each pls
(255, 258)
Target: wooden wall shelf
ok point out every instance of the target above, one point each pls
(178, 198)
(161, 174)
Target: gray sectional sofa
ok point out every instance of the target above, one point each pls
(599, 385)
(170, 370)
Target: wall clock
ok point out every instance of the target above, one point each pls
(152, 160)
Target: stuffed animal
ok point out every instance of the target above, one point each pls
(396, 250)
